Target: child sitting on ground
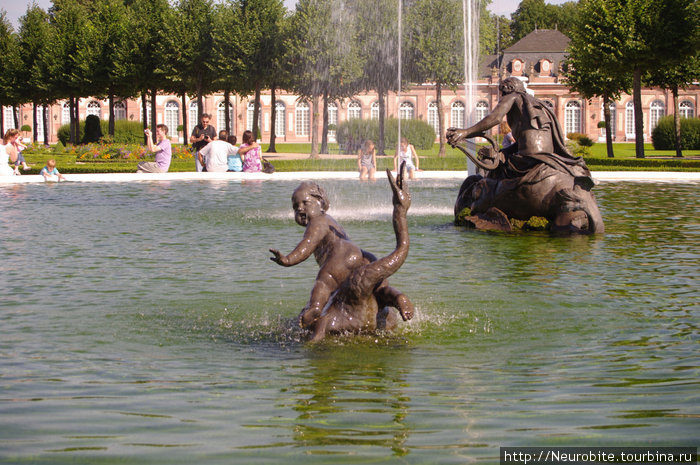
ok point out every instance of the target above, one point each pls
(50, 170)
(20, 158)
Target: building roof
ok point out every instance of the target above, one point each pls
(540, 40)
(549, 44)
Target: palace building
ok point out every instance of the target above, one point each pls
(537, 59)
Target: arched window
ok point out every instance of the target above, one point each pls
(221, 116)
(629, 120)
(613, 119)
(332, 119)
(93, 108)
(251, 114)
(657, 109)
(148, 113)
(406, 110)
(374, 110)
(119, 111)
(482, 109)
(194, 113)
(572, 117)
(549, 104)
(302, 119)
(354, 110)
(433, 117)
(172, 116)
(40, 123)
(8, 118)
(457, 115)
(280, 119)
(686, 109)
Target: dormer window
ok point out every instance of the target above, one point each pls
(545, 67)
(517, 66)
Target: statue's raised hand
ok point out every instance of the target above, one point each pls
(401, 198)
(454, 135)
(278, 258)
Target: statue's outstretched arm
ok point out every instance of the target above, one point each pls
(454, 135)
(303, 250)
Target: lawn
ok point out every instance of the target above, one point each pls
(110, 159)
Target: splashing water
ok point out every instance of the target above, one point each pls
(470, 16)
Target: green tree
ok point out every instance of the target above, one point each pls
(229, 52)
(35, 36)
(675, 78)
(70, 69)
(263, 22)
(676, 41)
(436, 49)
(661, 33)
(377, 38)
(324, 63)
(596, 48)
(536, 14)
(113, 67)
(190, 47)
(150, 48)
(10, 67)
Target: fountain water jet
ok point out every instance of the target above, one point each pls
(470, 18)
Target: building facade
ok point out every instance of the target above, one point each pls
(537, 59)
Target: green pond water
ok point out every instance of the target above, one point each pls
(144, 323)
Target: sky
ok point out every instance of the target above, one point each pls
(17, 8)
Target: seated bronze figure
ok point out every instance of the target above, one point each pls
(536, 176)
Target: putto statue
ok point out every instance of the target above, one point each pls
(534, 177)
(351, 292)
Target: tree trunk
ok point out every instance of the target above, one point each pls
(200, 99)
(154, 93)
(324, 129)
(110, 129)
(608, 133)
(677, 122)
(441, 120)
(2, 121)
(45, 116)
(185, 139)
(256, 112)
(273, 119)
(15, 115)
(73, 134)
(35, 133)
(638, 115)
(227, 110)
(76, 119)
(144, 112)
(381, 100)
(314, 127)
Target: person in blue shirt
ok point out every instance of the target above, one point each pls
(235, 163)
(50, 170)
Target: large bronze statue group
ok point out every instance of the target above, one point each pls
(535, 177)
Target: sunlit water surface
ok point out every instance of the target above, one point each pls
(144, 323)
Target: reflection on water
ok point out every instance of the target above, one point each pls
(144, 323)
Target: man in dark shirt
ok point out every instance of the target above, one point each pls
(202, 134)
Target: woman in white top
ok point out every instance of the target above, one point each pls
(8, 152)
(406, 153)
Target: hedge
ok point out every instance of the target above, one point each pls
(125, 132)
(352, 133)
(663, 136)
